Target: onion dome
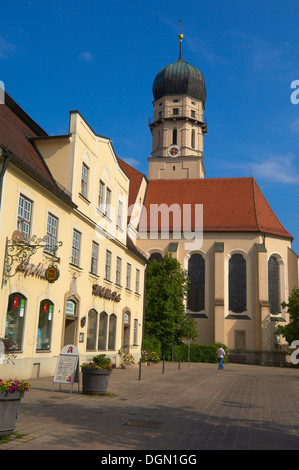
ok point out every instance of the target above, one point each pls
(180, 78)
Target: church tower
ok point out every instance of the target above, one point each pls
(178, 124)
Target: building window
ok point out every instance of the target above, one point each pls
(108, 203)
(193, 138)
(112, 331)
(45, 322)
(175, 111)
(196, 274)
(128, 277)
(94, 258)
(192, 113)
(155, 256)
(118, 271)
(91, 330)
(108, 265)
(274, 286)
(102, 340)
(137, 284)
(52, 225)
(15, 319)
(120, 215)
(24, 216)
(76, 248)
(174, 137)
(84, 180)
(101, 196)
(135, 335)
(70, 308)
(237, 283)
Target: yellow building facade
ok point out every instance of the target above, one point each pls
(64, 204)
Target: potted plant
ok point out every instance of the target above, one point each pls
(11, 393)
(127, 360)
(96, 374)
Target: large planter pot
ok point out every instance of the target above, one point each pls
(9, 407)
(95, 381)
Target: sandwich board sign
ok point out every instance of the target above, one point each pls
(66, 366)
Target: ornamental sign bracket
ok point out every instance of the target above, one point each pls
(18, 252)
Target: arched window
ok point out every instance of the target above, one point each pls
(102, 340)
(157, 256)
(196, 274)
(274, 286)
(45, 322)
(237, 283)
(174, 137)
(91, 329)
(15, 319)
(112, 331)
(193, 138)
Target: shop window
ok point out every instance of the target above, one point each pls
(15, 319)
(112, 331)
(196, 274)
(274, 286)
(102, 339)
(44, 325)
(237, 283)
(91, 330)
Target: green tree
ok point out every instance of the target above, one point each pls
(291, 331)
(166, 290)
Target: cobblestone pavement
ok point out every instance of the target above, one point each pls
(186, 409)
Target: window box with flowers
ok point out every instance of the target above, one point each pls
(96, 375)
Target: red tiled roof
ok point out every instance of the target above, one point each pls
(229, 205)
(15, 128)
(135, 180)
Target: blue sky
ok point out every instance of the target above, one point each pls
(101, 58)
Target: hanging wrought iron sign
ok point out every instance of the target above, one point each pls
(52, 274)
(18, 252)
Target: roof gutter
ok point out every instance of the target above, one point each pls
(3, 170)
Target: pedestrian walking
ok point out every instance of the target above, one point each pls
(220, 354)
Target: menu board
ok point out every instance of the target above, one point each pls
(66, 365)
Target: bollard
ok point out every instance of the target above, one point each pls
(179, 364)
(139, 376)
(163, 366)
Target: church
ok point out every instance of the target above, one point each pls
(237, 253)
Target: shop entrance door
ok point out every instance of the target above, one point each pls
(70, 331)
(71, 322)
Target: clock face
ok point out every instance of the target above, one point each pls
(174, 151)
